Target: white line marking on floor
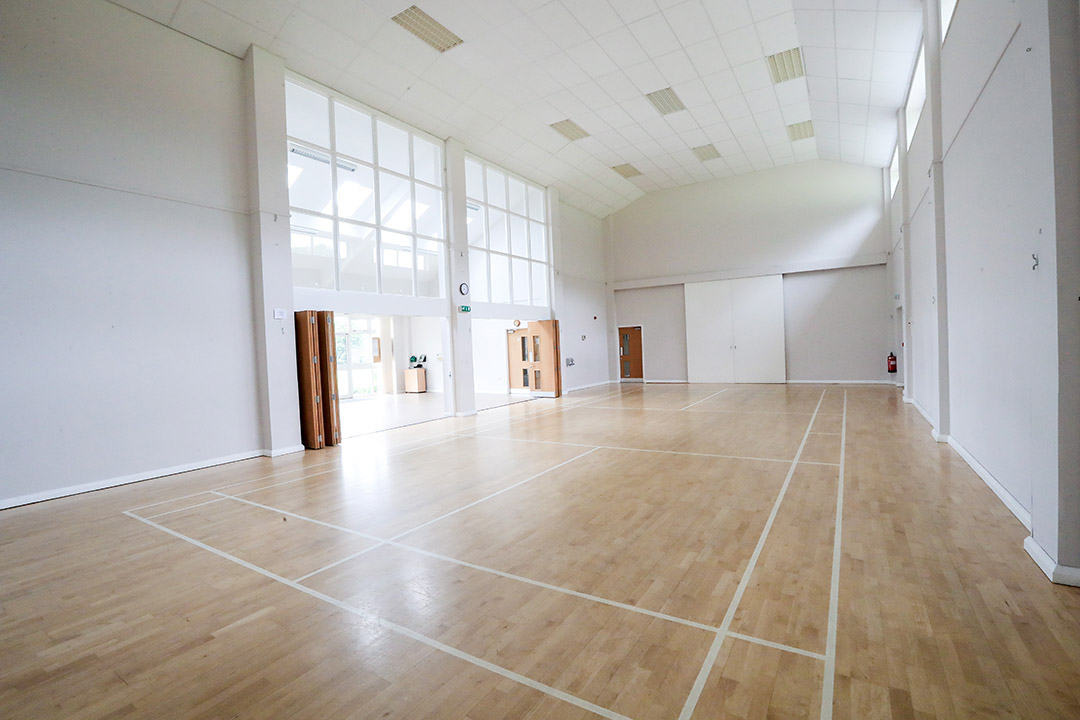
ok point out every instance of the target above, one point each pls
(725, 625)
(394, 627)
(704, 399)
(189, 507)
(777, 646)
(834, 585)
(342, 561)
(630, 449)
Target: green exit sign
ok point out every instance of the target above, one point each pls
(465, 308)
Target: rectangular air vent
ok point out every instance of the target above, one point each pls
(425, 27)
(784, 66)
(666, 101)
(570, 130)
(801, 131)
(706, 152)
(627, 170)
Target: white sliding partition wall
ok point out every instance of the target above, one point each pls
(735, 330)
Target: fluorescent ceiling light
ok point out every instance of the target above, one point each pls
(666, 101)
(310, 154)
(786, 65)
(570, 130)
(425, 27)
(627, 170)
(801, 131)
(706, 152)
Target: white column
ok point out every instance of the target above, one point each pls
(462, 384)
(279, 409)
(904, 193)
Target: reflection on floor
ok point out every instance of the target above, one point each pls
(383, 412)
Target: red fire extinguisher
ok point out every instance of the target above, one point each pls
(892, 363)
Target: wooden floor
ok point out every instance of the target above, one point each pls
(648, 552)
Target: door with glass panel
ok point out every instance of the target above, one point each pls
(520, 359)
(630, 363)
(534, 354)
(358, 355)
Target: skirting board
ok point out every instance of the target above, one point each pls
(128, 479)
(590, 385)
(922, 411)
(1060, 574)
(840, 382)
(283, 451)
(1004, 495)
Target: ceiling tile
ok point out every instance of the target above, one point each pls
(591, 58)
(676, 67)
(854, 64)
(741, 46)
(855, 30)
(753, 75)
(856, 92)
(722, 84)
(762, 9)
(646, 77)
(792, 91)
(728, 15)
(689, 22)
(899, 32)
(708, 57)
(596, 16)
(632, 10)
(621, 47)
(618, 86)
(693, 93)
(820, 61)
(778, 33)
(654, 35)
(559, 25)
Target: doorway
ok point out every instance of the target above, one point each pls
(631, 367)
(534, 359)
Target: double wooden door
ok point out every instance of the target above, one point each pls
(535, 359)
(316, 370)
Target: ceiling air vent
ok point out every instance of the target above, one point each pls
(425, 27)
(784, 66)
(706, 152)
(570, 130)
(666, 101)
(627, 170)
(801, 131)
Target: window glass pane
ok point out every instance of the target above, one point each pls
(356, 191)
(536, 203)
(519, 235)
(539, 284)
(429, 263)
(517, 196)
(427, 159)
(393, 148)
(500, 278)
(497, 230)
(352, 130)
(312, 251)
(397, 263)
(478, 281)
(474, 179)
(474, 222)
(309, 179)
(356, 256)
(521, 282)
(429, 212)
(395, 202)
(307, 115)
(496, 187)
(538, 240)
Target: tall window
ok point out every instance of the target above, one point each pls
(367, 200)
(509, 249)
(894, 171)
(948, 7)
(916, 96)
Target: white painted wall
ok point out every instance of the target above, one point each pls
(426, 338)
(922, 311)
(838, 325)
(807, 216)
(661, 313)
(582, 312)
(490, 363)
(999, 209)
(126, 277)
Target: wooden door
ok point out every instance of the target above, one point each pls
(519, 355)
(631, 366)
(331, 411)
(545, 368)
(309, 380)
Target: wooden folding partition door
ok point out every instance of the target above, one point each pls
(309, 378)
(331, 411)
(320, 417)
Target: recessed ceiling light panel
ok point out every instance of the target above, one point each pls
(627, 170)
(570, 130)
(706, 152)
(801, 131)
(425, 27)
(666, 101)
(787, 65)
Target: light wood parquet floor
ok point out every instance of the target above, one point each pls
(649, 552)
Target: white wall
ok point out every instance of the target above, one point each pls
(999, 209)
(661, 313)
(582, 307)
(807, 216)
(126, 279)
(426, 338)
(835, 325)
(490, 363)
(922, 310)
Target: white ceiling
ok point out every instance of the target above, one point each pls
(528, 63)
